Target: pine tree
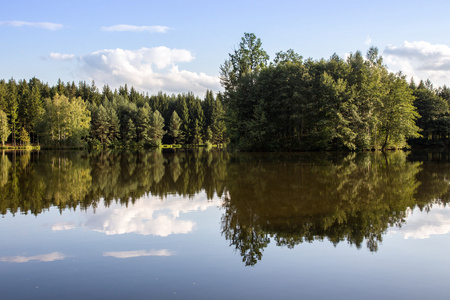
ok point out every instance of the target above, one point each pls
(114, 126)
(183, 113)
(157, 128)
(218, 123)
(196, 133)
(130, 133)
(143, 124)
(174, 127)
(101, 126)
(12, 106)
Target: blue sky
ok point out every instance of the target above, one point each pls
(178, 46)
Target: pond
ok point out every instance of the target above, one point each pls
(218, 225)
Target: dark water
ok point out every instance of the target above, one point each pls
(215, 225)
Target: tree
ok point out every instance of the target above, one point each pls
(65, 122)
(143, 124)
(100, 128)
(129, 135)
(238, 76)
(183, 112)
(36, 107)
(114, 126)
(24, 137)
(156, 128)
(196, 133)
(79, 121)
(433, 110)
(174, 127)
(4, 127)
(218, 122)
(12, 106)
(398, 114)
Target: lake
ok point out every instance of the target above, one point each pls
(217, 225)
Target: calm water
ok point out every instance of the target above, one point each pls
(214, 225)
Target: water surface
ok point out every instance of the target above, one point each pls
(203, 225)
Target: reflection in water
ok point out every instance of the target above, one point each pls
(284, 198)
(423, 226)
(147, 216)
(292, 200)
(138, 253)
(80, 180)
(63, 226)
(43, 258)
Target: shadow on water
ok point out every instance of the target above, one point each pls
(283, 198)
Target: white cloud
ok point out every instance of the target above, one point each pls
(138, 253)
(423, 225)
(44, 258)
(59, 56)
(42, 25)
(124, 27)
(368, 41)
(147, 69)
(420, 60)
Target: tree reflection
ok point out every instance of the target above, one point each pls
(299, 198)
(285, 198)
(32, 182)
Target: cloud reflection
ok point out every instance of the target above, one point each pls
(422, 224)
(63, 226)
(43, 258)
(138, 253)
(147, 216)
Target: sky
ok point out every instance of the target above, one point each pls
(178, 46)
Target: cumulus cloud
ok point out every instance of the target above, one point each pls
(42, 25)
(420, 60)
(124, 27)
(60, 56)
(423, 225)
(138, 253)
(147, 69)
(368, 41)
(43, 258)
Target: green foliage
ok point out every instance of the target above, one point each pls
(433, 107)
(12, 107)
(100, 129)
(4, 127)
(293, 104)
(174, 127)
(238, 75)
(24, 137)
(66, 122)
(156, 129)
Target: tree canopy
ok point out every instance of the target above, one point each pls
(296, 104)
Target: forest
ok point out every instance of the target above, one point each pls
(291, 104)
(355, 103)
(70, 115)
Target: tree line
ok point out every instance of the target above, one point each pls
(290, 103)
(354, 103)
(69, 115)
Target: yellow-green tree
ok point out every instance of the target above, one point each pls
(64, 121)
(4, 128)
